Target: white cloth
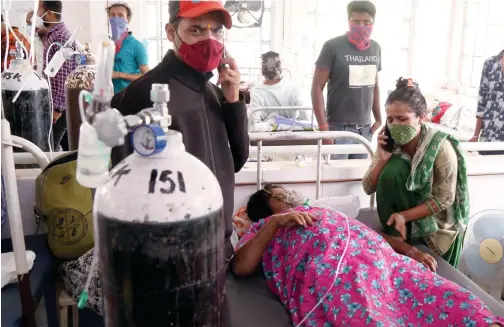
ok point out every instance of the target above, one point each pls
(9, 273)
(283, 94)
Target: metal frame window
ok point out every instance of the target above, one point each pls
(248, 44)
(483, 36)
(407, 36)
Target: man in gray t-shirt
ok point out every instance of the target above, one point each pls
(350, 63)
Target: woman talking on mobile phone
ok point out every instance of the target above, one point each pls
(420, 178)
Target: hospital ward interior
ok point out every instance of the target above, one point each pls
(269, 163)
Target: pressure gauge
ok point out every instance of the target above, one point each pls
(148, 139)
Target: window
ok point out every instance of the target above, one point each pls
(248, 44)
(483, 36)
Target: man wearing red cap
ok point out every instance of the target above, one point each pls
(212, 120)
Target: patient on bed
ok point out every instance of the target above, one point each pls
(275, 91)
(300, 249)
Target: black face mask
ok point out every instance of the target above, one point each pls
(272, 73)
(272, 69)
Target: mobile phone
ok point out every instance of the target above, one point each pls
(389, 147)
(223, 57)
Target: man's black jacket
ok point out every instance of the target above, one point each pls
(213, 131)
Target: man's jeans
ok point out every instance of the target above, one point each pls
(363, 130)
(59, 131)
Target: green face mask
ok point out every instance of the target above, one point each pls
(402, 134)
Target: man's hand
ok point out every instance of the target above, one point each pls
(424, 258)
(293, 218)
(117, 75)
(325, 128)
(229, 79)
(475, 138)
(56, 116)
(399, 222)
(376, 126)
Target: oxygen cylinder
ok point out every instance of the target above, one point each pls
(30, 115)
(160, 235)
(82, 78)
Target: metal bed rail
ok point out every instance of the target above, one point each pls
(319, 150)
(296, 110)
(259, 151)
(319, 136)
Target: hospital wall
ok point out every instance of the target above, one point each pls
(343, 177)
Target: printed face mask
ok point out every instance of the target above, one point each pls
(402, 134)
(360, 36)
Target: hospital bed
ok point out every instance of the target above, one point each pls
(280, 124)
(250, 301)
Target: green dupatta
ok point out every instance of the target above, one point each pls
(420, 181)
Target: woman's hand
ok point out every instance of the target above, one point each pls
(382, 141)
(293, 218)
(424, 258)
(399, 222)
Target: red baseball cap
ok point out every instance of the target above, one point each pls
(197, 8)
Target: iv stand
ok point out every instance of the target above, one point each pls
(16, 225)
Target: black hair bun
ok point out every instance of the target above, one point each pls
(406, 82)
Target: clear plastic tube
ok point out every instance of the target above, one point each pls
(32, 32)
(337, 268)
(102, 86)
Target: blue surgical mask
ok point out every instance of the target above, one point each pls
(117, 27)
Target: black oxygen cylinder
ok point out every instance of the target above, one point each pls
(160, 237)
(30, 115)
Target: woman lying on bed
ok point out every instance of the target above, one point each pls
(299, 248)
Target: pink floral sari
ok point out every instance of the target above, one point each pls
(375, 285)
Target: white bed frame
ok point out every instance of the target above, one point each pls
(318, 151)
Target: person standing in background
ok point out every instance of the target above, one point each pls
(490, 113)
(38, 45)
(350, 63)
(275, 91)
(49, 16)
(131, 60)
(10, 44)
